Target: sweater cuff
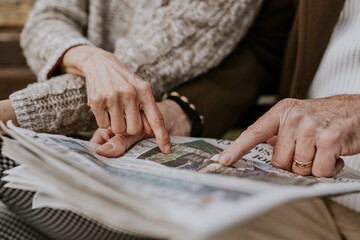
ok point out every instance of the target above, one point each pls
(54, 60)
(56, 106)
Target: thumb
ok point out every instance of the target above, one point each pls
(101, 136)
(118, 145)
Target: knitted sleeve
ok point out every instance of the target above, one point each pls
(55, 106)
(184, 39)
(52, 28)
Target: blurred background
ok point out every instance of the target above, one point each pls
(14, 74)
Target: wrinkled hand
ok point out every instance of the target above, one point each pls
(114, 145)
(116, 96)
(311, 135)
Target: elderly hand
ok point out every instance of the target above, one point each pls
(116, 96)
(114, 145)
(311, 135)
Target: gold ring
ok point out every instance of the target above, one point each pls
(302, 165)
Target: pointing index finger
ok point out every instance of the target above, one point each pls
(157, 124)
(263, 129)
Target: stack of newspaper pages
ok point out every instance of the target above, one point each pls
(183, 195)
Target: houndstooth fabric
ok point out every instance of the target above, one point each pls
(13, 228)
(56, 224)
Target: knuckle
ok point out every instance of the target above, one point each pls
(129, 94)
(308, 127)
(112, 96)
(295, 116)
(256, 129)
(287, 103)
(144, 87)
(329, 139)
(119, 139)
(105, 134)
(291, 109)
(97, 101)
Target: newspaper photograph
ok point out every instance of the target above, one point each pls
(148, 192)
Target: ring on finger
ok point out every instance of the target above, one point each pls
(302, 165)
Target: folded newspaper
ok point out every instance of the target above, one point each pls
(182, 195)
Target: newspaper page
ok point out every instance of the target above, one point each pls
(183, 193)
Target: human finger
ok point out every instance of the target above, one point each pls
(146, 125)
(328, 149)
(155, 119)
(285, 147)
(117, 119)
(303, 161)
(156, 122)
(118, 145)
(101, 136)
(101, 116)
(305, 149)
(134, 123)
(326, 164)
(97, 104)
(263, 129)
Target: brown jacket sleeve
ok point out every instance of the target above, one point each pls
(225, 94)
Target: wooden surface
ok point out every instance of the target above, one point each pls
(13, 13)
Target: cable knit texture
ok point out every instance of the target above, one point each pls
(166, 42)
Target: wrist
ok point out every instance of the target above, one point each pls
(76, 59)
(187, 108)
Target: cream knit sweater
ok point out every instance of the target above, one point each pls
(166, 42)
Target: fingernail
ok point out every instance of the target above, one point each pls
(167, 148)
(106, 147)
(224, 158)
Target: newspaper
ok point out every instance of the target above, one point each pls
(183, 195)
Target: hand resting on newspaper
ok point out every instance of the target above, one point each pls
(309, 135)
(117, 97)
(114, 145)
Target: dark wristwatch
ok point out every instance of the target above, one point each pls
(197, 120)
